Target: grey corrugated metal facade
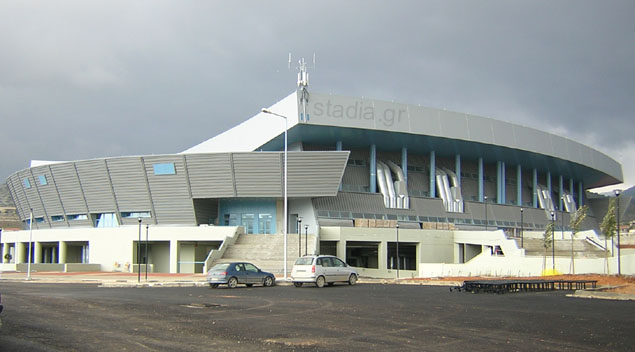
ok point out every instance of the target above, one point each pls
(130, 185)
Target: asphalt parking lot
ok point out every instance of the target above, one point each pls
(85, 317)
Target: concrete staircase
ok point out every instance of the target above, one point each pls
(266, 251)
(581, 248)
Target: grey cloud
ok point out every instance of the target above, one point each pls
(92, 79)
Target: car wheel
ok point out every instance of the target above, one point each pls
(352, 280)
(268, 281)
(232, 283)
(249, 285)
(320, 281)
(213, 285)
(297, 284)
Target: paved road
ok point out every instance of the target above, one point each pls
(83, 317)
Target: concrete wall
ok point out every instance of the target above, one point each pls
(114, 248)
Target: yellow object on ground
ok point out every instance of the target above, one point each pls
(550, 272)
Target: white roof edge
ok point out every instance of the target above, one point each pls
(35, 163)
(254, 132)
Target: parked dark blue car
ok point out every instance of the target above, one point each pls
(232, 274)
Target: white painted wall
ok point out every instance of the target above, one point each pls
(113, 248)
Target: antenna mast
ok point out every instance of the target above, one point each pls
(303, 83)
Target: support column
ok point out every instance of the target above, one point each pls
(503, 181)
(383, 255)
(549, 184)
(480, 180)
(37, 253)
(341, 249)
(5, 251)
(404, 164)
(499, 192)
(63, 249)
(373, 169)
(433, 174)
(457, 168)
(20, 252)
(535, 186)
(519, 185)
(571, 187)
(560, 203)
(580, 194)
(174, 256)
(338, 147)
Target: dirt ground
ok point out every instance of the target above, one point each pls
(619, 284)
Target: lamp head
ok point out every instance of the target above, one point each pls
(521, 210)
(397, 225)
(617, 192)
(306, 227)
(139, 219)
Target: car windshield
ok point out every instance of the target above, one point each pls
(304, 261)
(219, 267)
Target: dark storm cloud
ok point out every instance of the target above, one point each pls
(91, 79)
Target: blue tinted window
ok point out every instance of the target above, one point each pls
(164, 169)
(77, 217)
(56, 218)
(42, 179)
(27, 183)
(138, 214)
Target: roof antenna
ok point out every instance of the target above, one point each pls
(303, 83)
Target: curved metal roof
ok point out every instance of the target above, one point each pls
(359, 122)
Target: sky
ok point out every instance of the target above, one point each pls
(89, 79)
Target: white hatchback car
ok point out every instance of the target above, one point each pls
(322, 269)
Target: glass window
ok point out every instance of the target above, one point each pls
(251, 267)
(27, 183)
(247, 220)
(222, 266)
(56, 218)
(319, 261)
(39, 220)
(77, 217)
(135, 214)
(231, 219)
(264, 223)
(164, 169)
(304, 261)
(42, 179)
(338, 262)
(327, 262)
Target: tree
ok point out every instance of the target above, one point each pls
(576, 224)
(608, 228)
(547, 242)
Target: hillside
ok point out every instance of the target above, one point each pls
(5, 198)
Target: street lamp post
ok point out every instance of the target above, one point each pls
(619, 259)
(28, 261)
(139, 253)
(147, 261)
(522, 229)
(299, 237)
(485, 203)
(306, 241)
(397, 250)
(553, 243)
(284, 225)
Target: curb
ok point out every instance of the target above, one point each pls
(602, 295)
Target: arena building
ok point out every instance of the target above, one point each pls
(383, 185)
